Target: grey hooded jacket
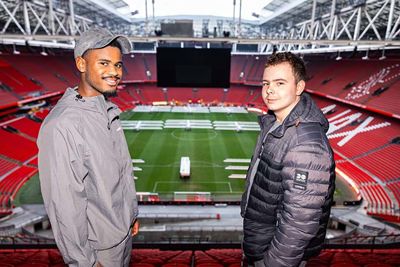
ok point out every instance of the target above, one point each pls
(286, 205)
(86, 176)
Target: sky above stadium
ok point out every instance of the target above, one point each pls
(222, 8)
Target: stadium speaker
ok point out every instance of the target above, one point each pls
(354, 53)
(158, 32)
(274, 49)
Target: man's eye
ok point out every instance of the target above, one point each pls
(118, 66)
(104, 63)
(265, 84)
(279, 84)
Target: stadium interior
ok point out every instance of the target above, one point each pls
(191, 146)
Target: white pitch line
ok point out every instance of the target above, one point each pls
(229, 160)
(155, 186)
(237, 168)
(237, 176)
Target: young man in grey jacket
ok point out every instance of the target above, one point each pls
(291, 179)
(85, 167)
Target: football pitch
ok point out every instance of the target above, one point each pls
(161, 151)
(157, 155)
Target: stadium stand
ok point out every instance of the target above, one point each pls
(151, 93)
(208, 258)
(6, 165)
(237, 67)
(359, 156)
(17, 147)
(359, 94)
(210, 95)
(14, 80)
(364, 150)
(238, 95)
(10, 184)
(7, 97)
(26, 126)
(140, 68)
(54, 75)
(180, 94)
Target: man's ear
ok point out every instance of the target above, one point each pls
(301, 85)
(80, 64)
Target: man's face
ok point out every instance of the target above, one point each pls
(280, 91)
(101, 69)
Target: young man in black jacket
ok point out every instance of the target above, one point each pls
(291, 179)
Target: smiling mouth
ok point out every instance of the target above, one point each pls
(111, 81)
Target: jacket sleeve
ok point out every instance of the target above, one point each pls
(305, 180)
(62, 175)
(130, 179)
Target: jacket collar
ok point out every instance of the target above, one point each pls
(98, 103)
(305, 111)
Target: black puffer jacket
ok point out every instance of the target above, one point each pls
(287, 210)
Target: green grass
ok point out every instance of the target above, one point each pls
(29, 193)
(207, 149)
(162, 149)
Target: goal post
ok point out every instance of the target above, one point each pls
(147, 196)
(192, 196)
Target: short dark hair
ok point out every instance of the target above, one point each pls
(299, 69)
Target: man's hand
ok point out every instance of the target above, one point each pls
(135, 228)
(99, 264)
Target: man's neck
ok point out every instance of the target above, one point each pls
(84, 91)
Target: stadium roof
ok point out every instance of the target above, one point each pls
(305, 26)
(219, 8)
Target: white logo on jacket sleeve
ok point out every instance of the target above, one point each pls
(300, 180)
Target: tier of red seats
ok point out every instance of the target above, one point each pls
(395, 187)
(331, 77)
(15, 80)
(151, 93)
(126, 96)
(134, 91)
(387, 101)
(7, 98)
(386, 160)
(26, 126)
(54, 73)
(237, 66)
(16, 147)
(121, 103)
(367, 155)
(237, 95)
(136, 67)
(210, 95)
(328, 76)
(6, 166)
(180, 94)
(207, 258)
